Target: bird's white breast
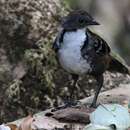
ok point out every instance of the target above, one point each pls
(70, 52)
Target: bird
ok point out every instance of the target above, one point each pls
(80, 51)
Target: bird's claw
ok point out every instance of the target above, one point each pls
(67, 104)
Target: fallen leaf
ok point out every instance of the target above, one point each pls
(72, 115)
(12, 126)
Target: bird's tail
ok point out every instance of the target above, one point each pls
(118, 65)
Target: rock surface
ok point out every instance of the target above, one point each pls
(25, 25)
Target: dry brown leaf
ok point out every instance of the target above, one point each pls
(12, 126)
(72, 115)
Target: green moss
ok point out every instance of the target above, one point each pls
(71, 4)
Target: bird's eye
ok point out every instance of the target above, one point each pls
(83, 13)
(82, 21)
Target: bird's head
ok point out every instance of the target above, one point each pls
(78, 19)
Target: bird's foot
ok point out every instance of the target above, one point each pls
(72, 103)
(69, 103)
(94, 105)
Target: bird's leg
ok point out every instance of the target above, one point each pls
(70, 101)
(73, 85)
(98, 88)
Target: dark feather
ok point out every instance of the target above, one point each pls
(94, 46)
(118, 66)
(55, 46)
(58, 41)
(100, 45)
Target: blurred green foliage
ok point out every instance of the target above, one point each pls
(72, 4)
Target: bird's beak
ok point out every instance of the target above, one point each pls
(93, 22)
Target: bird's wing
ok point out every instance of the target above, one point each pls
(100, 45)
(102, 50)
(58, 40)
(117, 64)
(94, 44)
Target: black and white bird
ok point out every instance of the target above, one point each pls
(82, 52)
